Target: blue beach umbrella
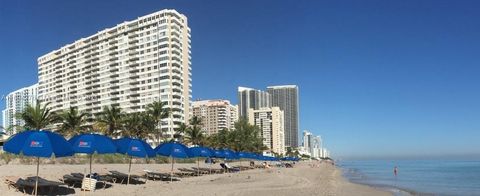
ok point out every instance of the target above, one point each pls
(173, 150)
(38, 144)
(92, 143)
(229, 154)
(218, 154)
(242, 155)
(200, 151)
(135, 148)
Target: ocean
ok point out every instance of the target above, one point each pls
(417, 177)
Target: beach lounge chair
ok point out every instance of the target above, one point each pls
(11, 182)
(101, 179)
(29, 183)
(200, 170)
(194, 172)
(212, 170)
(156, 175)
(228, 168)
(72, 180)
(182, 174)
(245, 168)
(122, 177)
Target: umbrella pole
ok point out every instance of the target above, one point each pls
(171, 171)
(210, 162)
(36, 181)
(129, 167)
(91, 155)
(198, 166)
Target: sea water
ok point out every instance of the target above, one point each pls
(418, 177)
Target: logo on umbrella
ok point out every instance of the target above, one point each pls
(134, 148)
(84, 144)
(176, 150)
(36, 144)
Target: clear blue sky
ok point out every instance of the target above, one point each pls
(376, 77)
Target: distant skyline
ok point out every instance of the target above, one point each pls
(376, 78)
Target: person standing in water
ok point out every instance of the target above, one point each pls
(395, 171)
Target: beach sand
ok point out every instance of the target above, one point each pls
(303, 179)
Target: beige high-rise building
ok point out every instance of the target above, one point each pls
(271, 123)
(215, 114)
(129, 65)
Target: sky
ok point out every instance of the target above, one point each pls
(376, 78)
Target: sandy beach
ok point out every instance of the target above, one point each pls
(303, 179)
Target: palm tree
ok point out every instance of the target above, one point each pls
(289, 152)
(159, 112)
(110, 120)
(180, 130)
(38, 117)
(73, 122)
(133, 126)
(194, 134)
(248, 137)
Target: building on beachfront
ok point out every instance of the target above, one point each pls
(317, 147)
(271, 124)
(286, 98)
(215, 115)
(16, 102)
(313, 145)
(249, 98)
(129, 65)
(307, 142)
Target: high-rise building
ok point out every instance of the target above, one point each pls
(249, 98)
(233, 115)
(271, 124)
(215, 115)
(286, 98)
(16, 102)
(129, 65)
(313, 145)
(307, 142)
(317, 146)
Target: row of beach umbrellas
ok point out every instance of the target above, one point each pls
(37, 143)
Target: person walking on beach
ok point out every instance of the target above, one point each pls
(395, 171)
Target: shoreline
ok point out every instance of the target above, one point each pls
(397, 191)
(303, 179)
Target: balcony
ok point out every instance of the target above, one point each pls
(134, 59)
(133, 41)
